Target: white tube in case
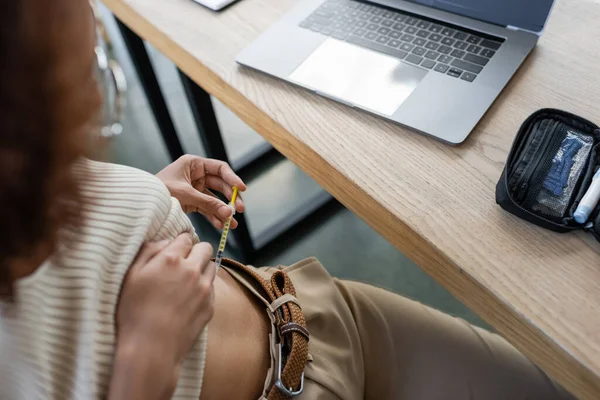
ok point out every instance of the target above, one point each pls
(589, 200)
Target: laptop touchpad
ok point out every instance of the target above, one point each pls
(358, 76)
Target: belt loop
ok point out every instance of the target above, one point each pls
(286, 298)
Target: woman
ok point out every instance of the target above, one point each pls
(106, 293)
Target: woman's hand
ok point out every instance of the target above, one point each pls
(166, 301)
(190, 179)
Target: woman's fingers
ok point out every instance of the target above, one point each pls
(239, 205)
(209, 193)
(206, 204)
(150, 249)
(209, 205)
(215, 221)
(223, 170)
(217, 183)
(179, 248)
(234, 223)
(206, 308)
(200, 259)
(220, 185)
(147, 252)
(200, 255)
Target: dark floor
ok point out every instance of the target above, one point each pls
(346, 246)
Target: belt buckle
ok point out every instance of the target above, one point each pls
(279, 383)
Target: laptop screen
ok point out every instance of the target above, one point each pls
(526, 14)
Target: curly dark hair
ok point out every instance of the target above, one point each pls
(45, 107)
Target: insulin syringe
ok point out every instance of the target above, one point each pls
(223, 241)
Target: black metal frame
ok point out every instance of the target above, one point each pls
(145, 72)
(247, 166)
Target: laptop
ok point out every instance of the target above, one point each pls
(435, 66)
(215, 5)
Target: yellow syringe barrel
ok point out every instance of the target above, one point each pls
(223, 241)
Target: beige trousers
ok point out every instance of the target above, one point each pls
(368, 343)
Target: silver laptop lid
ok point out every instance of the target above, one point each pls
(530, 15)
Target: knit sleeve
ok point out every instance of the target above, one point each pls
(175, 223)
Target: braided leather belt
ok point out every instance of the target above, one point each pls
(291, 346)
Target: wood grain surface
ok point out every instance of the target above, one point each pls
(435, 203)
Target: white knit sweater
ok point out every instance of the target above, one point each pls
(58, 340)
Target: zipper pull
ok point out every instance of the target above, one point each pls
(589, 228)
(522, 192)
(596, 133)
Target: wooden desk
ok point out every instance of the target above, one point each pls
(435, 203)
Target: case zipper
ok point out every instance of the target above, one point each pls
(517, 205)
(589, 228)
(523, 182)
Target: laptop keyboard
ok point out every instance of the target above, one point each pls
(430, 45)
